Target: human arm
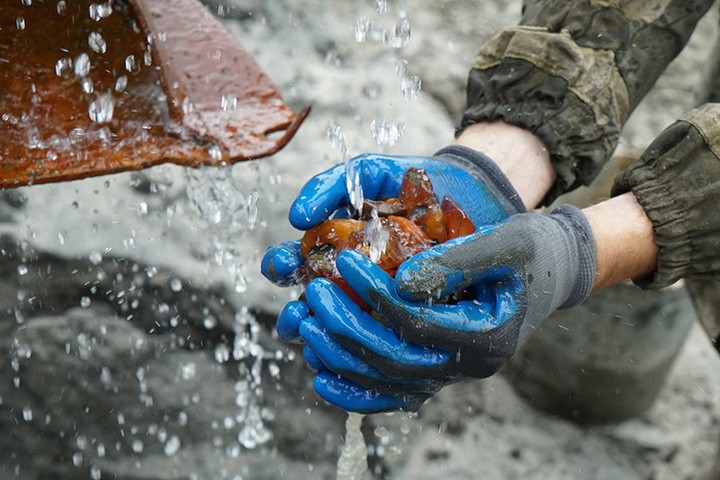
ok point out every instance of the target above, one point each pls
(572, 72)
(661, 225)
(519, 274)
(518, 153)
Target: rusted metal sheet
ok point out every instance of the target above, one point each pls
(89, 88)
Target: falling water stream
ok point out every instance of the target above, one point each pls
(352, 462)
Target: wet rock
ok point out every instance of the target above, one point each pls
(116, 371)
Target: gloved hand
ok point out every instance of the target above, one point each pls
(517, 274)
(472, 180)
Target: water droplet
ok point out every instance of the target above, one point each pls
(20, 23)
(102, 108)
(215, 153)
(399, 36)
(401, 68)
(95, 258)
(410, 86)
(131, 64)
(101, 450)
(137, 446)
(97, 42)
(87, 85)
(209, 322)
(22, 270)
(27, 3)
(95, 473)
(188, 371)
(362, 29)
(121, 83)
(172, 446)
(82, 65)
(142, 209)
(382, 6)
(77, 459)
(85, 301)
(386, 133)
(187, 106)
(222, 353)
(372, 90)
(106, 377)
(98, 11)
(61, 7)
(337, 140)
(377, 237)
(27, 414)
(63, 67)
(228, 102)
(176, 285)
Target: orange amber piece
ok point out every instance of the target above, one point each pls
(416, 193)
(341, 233)
(414, 222)
(456, 220)
(406, 239)
(321, 244)
(416, 190)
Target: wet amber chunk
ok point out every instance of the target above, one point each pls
(424, 224)
(457, 222)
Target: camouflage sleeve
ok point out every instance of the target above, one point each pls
(677, 182)
(572, 72)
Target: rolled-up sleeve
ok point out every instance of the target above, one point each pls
(677, 182)
(573, 71)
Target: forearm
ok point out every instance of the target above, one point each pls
(624, 242)
(520, 155)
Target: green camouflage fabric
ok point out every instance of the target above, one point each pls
(573, 71)
(677, 182)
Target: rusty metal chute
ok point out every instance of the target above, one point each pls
(90, 88)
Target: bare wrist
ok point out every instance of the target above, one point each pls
(624, 240)
(521, 156)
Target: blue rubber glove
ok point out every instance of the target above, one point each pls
(471, 179)
(517, 273)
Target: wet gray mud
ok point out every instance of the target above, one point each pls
(137, 334)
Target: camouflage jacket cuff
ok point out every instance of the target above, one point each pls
(677, 182)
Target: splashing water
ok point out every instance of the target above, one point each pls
(337, 139)
(101, 109)
(352, 462)
(399, 36)
(97, 42)
(386, 133)
(228, 213)
(377, 237)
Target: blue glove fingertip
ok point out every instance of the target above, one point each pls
(360, 273)
(349, 396)
(312, 360)
(281, 263)
(288, 322)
